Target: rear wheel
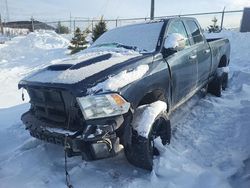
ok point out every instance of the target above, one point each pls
(142, 150)
(224, 83)
(218, 84)
(204, 90)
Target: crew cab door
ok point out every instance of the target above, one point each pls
(183, 65)
(203, 50)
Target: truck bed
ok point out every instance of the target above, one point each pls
(218, 47)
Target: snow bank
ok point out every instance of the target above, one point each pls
(37, 45)
(45, 40)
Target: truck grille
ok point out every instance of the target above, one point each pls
(48, 104)
(57, 108)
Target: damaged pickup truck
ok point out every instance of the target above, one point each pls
(121, 89)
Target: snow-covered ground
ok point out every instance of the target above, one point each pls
(210, 146)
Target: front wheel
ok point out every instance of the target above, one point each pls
(142, 149)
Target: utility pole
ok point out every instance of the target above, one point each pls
(1, 25)
(152, 10)
(222, 18)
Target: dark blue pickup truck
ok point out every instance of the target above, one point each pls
(120, 91)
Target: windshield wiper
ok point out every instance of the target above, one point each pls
(119, 45)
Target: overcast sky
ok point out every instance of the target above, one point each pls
(60, 9)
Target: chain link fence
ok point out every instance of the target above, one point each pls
(225, 19)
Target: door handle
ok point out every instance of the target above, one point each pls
(206, 51)
(192, 57)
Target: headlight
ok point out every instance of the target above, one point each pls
(99, 106)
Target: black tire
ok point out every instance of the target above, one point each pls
(204, 91)
(218, 84)
(224, 81)
(141, 150)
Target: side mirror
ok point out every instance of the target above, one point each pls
(175, 42)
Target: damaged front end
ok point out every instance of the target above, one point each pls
(85, 126)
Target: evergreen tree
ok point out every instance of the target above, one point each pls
(78, 42)
(214, 28)
(60, 29)
(99, 29)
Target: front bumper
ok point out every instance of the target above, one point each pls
(95, 141)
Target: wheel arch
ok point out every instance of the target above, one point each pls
(153, 96)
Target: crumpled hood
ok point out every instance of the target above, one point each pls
(84, 71)
(76, 70)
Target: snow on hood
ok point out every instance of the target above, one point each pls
(120, 80)
(81, 67)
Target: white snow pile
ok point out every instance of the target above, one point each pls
(38, 45)
(209, 146)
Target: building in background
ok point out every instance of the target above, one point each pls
(30, 25)
(245, 22)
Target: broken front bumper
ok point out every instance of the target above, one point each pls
(96, 141)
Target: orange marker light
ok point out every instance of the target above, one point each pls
(118, 99)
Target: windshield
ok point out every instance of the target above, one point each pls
(141, 37)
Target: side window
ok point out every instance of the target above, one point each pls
(195, 31)
(178, 27)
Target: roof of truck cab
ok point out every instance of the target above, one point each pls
(158, 20)
(161, 20)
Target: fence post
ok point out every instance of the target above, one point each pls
(116, 23)
(32, 24)
(222, 18)
(70, 26)
(74, 26)
(92, 25)
(59, 27)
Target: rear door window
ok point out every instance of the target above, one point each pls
(195, 31)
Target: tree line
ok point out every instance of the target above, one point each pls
(82, 39)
